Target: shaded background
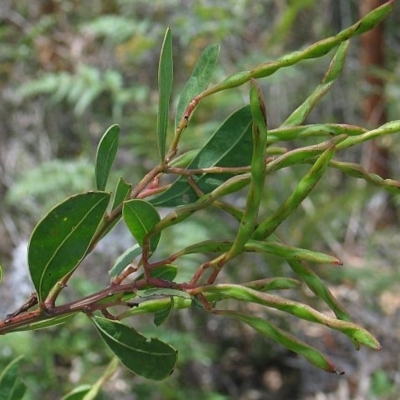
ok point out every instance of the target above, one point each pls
(70, 69)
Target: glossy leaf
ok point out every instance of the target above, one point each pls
(121, 193)
(124, 260)
(165, 77)
(199, 79)
(167, 272)
(63, 237)
(106, 152)
(11, 385)
(147, 357)
(140, 218)
(230, 146)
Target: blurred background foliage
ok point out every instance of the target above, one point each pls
(70, 69)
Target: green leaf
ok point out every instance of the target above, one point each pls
(147, 357)
(121, 193)
(124, 260)
(230, 146)
(1, 274)
(77, 393)
(11, 385)
(62, 239)
(106, 152)
(162, 315)
(140, 218)
(165, 77)
(166, 272)
(199, 79)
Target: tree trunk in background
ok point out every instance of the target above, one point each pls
(372, 57)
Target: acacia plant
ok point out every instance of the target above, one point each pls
(239, 156)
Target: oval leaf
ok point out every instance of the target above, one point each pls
(106, 152)
(199, 79)
(165, 76)
(140, 218)
(62, 238)
(150, 358)
(230, 146)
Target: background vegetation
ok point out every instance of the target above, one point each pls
(69, 70)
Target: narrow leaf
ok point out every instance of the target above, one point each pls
(199, 79)
(230, 146)
(124, 260)
(140, 218)
(147, 357)
(106, 152)
(121, 193)
(165, 76)
(63, 237)
(11, 385)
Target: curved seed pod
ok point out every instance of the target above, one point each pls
(302, 154)
(316, 50)
(357, 171)
(258, 171)
(182, 212)
(335, 68)
(290, 252)
(313, 130)
(284, 338)
(302, 190)
(312, 280)
(386, 129)
(303, 311)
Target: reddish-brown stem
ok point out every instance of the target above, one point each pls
(211, 170)
(88, 304)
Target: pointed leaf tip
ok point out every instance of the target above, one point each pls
(147, 357)
(141, 217)
(106, 152)
(62, 238)
(165, 78)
